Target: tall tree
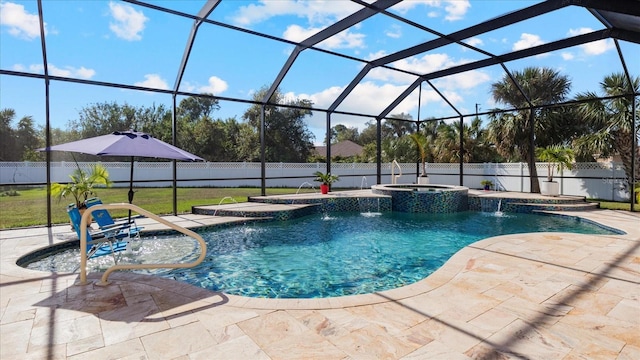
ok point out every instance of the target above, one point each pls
(430, 131)
(104, 118)
(511, 131)
(610, 121)
(368, 135)
(400, 149)
(341, 132)
(400, 127)
(19, 142)
(8, 150)
(476, 147)
(287, 137)
(196, 107)
(27, 139)
(446, 147)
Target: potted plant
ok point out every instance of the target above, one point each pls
(326, 179)
(421, 143)
(556, 157)
(82, 185)
(487, 184)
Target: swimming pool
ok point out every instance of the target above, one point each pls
(325, 256)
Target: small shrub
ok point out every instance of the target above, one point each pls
(10, 193)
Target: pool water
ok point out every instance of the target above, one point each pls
(325, 256)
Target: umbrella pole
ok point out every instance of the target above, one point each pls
(130, 188)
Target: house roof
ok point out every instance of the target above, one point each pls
(344, 148)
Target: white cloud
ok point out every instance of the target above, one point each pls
(67, 71)
(427, 63)
(216, 86)
(567, 56)
(314, 11)
(527, 41)
(474, 41)
(455, 9)
(298, 33)
(391, 76)
(598, 47)
(579, 31)
(344, 39)
(453, 97)
(395, 32)
(375, 98)
(187, 86)
(367, 97)
(21, 24)
(128, 23)
(404, 6)
(18, 67)
(594, 47)
(376, 55)
(85, 73)
(466, 80)
(424, 65)
(153, 81)
(372, 98)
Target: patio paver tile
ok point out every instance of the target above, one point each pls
(550, 295)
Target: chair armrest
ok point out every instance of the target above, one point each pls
(116, 226)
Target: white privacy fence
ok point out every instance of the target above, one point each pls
(594, 180)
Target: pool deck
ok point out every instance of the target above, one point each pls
(524, 296)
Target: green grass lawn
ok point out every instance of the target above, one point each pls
(611, 205)
(29, 208)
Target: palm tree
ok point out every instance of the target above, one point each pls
(421, 143)
(556, 156)
(83, 184)
(511, 131)
(476, 148)
(398, 128)
(610, 122)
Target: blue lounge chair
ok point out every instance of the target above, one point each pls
(102, 242)
(106, 222)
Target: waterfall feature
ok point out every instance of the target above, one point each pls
(363, 183)
(499, 211)
(308, 184)
(369, 206)
(233, 201)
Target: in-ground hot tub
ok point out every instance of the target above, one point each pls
(428, 198)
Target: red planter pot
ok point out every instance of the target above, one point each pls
(324, 188)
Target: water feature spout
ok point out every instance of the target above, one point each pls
(369, 207)
(363, 183)
(499, 211)
(233, 201)
(308, 184)
(227, 198)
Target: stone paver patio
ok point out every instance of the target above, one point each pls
(525, 296)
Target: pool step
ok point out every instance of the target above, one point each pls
(572, 206)
(262, 210)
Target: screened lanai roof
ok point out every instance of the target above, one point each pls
(355, 59)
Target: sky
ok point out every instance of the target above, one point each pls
(117, 42)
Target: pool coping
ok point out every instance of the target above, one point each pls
(441, 276)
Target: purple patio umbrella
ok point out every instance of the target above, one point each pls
(126, 143)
